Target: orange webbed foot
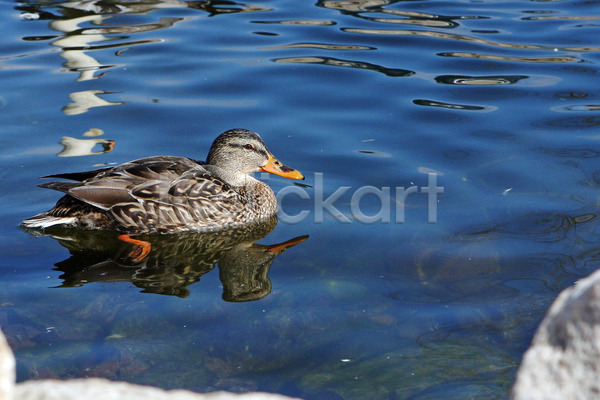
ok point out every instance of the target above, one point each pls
(140, 250)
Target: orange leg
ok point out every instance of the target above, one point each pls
(140, 250)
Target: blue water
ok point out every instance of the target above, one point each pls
(496, 100)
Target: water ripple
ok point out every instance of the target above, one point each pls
(353, 5)
(298, 22)
(479, 80)
(466, 38)
(540, 227)
(563, 18)
(433, 23)
(320, 46)
(546, 59)
(572, 122)
(452, 106)
(571, 153)
(395, 72)
(578, 107)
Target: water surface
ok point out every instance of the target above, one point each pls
(496, 99)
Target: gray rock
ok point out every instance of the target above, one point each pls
(7, 370)
(563, 361)
(95, 388)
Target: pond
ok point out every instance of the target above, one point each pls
(451, 155)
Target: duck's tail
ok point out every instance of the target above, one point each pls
(44, 220)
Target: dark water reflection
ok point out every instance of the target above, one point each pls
(479, 80)
(466, 107)
(175, 261)
(346, 63)
(495, 98)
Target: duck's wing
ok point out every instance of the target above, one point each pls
(166, 168)
(196, 201)
(146, 178)
(77, 176)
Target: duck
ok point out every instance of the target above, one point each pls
(171, 194)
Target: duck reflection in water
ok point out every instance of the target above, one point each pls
(175, 261)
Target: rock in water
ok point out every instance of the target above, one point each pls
(7, 370)
(563, 361)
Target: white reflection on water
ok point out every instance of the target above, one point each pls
(466, 38)
(83, 101)
(77, 41)
(84, 147)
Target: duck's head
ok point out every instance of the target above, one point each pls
(239, 152)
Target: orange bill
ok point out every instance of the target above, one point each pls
(274, 166)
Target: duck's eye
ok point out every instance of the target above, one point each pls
(248, 147)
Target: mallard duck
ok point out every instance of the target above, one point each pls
(168, 194)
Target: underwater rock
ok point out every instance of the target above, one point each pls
(96, 388)
(563, 361)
